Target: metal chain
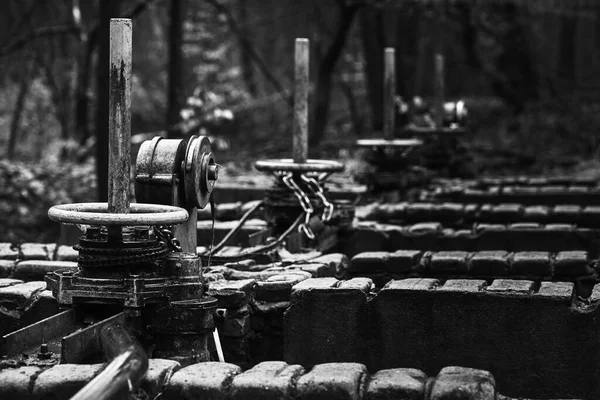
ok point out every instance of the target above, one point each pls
(165, 234)
(317, 189)
(100, 261)
(304, 202)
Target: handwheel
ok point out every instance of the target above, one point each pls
(288, 165)
(96, 214)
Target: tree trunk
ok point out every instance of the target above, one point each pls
(324, 82)
(175, 91)
(371, 24)
(245, 57)
(88, 44)
(567, 48)
(19, 105)
(108, 9)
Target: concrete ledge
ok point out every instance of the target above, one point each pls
(532, 265)
(268, 380)
(375, 237)
(506, 326)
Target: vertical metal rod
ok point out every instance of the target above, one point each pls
(119, 135)
(440, 89)
(389, 90)
(301, 68)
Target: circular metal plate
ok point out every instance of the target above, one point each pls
(198, 159)
(288, 165)
(403, 143)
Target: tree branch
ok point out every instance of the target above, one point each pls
(44, 31)
(252, 52)
(65, 29)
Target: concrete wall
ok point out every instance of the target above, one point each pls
(434, 236)
(538, 340)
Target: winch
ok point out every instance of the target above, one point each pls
(427, 144)
(138, 291)
(297, 207)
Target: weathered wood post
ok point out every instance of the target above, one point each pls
(389, 93)
(439, 90)
(301, 89)
(119, 131)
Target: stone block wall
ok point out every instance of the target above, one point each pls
(465, 214)
(434, 236)
(570, 266)
(552, 194)
(538, 339)
(269, 380)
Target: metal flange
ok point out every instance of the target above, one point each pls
(96, 214)
(200, 171)
(288, 165)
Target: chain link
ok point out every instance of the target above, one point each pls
(165, 234)
(317, 189)
(304, 202)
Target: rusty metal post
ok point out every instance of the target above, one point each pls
(389, 90)
(440, 89)
(301, 69)
(119, 131)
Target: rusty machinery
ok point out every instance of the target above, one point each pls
(297, 208)
(299, 197)
(422, 148)
(136, 282)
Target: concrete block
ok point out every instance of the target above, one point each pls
(35, 270)
(333, 381)
(17, 383)
(325, 322)
(64, 380)
(457, 383)
(397, 383)
(208, 380)
(267, 380)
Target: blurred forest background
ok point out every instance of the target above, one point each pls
(526, 68)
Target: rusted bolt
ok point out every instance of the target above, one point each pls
(93, 233)
(141, 233)
(213, 172)
(44, 353)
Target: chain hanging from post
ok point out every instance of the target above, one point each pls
(165, 234)
(288, 179)
(314, 186)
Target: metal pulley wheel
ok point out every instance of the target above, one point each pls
(140, 214)
(288, 165)
(200, 171)
(157, 172)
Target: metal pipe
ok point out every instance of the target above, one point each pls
(302, 83)
(128, 365)
(389, 93)
(119, 129)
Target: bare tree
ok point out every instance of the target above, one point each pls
(175, 90)
(107, 9)
(326, 68)
(24, 84)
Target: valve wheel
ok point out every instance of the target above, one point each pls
(396, 143)
(200, 171)
(96, 214)
(288, 165)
